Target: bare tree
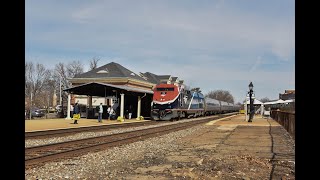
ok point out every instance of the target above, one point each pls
(40, 83)
(221, 95)
(265, 100)
(36, 77)
(74, 68)
(49, 88)
(60, 74)
(94, 63)
(64, 72)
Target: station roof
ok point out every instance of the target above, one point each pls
(280, 101)
(104, 89)
(110, 70)
(256, 101)
(153, 78)
(174, 79)
(164, 77)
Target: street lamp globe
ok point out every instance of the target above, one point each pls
(250, 86)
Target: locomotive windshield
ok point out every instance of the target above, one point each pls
(165, 89)
(162, 106)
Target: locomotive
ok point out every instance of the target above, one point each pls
(174, 102)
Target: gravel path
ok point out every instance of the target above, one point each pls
(107, 164)
(228, 149)
(37, 142)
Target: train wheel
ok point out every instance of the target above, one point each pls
(187, 115)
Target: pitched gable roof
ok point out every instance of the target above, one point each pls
(173, 79)
(110, 70)
(151, 77)
(164, 77)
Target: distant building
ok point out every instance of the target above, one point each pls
(150, 77)
(288, 94)
(165, 79)
(161, 79)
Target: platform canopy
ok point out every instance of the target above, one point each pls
(104, 89)
(271, 102)
(289, 101)
(280, 101)
(256, 101)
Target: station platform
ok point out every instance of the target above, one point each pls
(239, 120)
(62, 123)
(263, 137)
(230, 147)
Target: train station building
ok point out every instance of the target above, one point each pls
(288, 94)
(116, 86)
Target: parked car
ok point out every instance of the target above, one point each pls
(36, 112)
(51, 110)
(58, 108)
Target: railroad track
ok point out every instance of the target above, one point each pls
(39, 154)
(71, 131)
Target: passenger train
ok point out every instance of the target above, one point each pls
(174, 102)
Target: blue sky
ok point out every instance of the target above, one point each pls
(211, 44)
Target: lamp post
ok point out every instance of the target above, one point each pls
(251, 102)
(60, 100)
